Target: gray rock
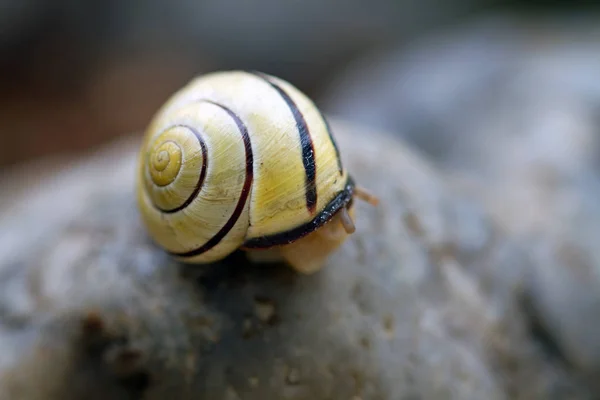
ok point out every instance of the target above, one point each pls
(424, 301)
(509, 108)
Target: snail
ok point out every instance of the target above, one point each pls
(242, 160)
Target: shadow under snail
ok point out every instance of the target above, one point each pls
(244, 160)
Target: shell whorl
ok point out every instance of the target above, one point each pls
(169, 180)
(236, 159)
(192, 196)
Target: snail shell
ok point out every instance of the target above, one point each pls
(243, 160)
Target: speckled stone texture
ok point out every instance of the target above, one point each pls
(509, 107)
(427, 300)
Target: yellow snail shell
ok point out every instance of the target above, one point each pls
(244, 160)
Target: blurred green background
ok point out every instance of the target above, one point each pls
(75, 74)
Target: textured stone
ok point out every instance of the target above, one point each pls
(508, 107)
(417, 304)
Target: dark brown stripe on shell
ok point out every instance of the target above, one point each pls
(212, 242)
(307, 145)
(342, 199)
(194, 194)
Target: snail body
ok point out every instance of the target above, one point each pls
(243, 160)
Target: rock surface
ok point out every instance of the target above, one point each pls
(426, 300)
(509, 108)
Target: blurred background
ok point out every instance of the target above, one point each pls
(75, 74)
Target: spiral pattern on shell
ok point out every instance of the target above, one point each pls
(238, 159)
